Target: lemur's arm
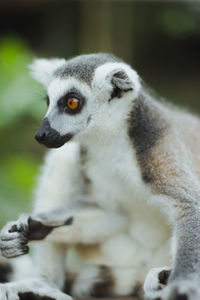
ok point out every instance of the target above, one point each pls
(168, 168)
(59, 219)
(177, 188)
(84, 223)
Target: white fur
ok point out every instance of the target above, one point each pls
(42, 69)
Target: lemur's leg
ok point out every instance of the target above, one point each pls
(184, 279)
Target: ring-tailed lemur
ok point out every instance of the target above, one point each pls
(114, 195)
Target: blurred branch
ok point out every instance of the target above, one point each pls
(95, 27)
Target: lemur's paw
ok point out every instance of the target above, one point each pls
(178, 290)
(156, 279)
(13, 238)
(30, 290)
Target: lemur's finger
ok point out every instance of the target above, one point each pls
(21, 228)
(14, 252)
(18, 242)
(6, 229)
(12, 245)
(6, 236)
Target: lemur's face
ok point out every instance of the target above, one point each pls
(83, 94)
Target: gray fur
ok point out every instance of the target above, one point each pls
(82, 67)
(145, 128)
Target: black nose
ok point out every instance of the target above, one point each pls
(49, 137)
(40, 137)
(43, 131)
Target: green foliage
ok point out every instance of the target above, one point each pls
(20, 110)
(17, 89)
(17, 179)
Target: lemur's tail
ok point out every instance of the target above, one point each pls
(5, 271)
(92, 281)
(103, 281)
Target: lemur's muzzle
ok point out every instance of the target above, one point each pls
(50, 137)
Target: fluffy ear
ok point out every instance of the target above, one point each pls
(120, 82)
(42, 69)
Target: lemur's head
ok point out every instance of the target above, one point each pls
(88, 92)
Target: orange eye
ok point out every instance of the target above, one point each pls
(47, 102)
(72, 103)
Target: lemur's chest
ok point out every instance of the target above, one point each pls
(115, 183)
(115, 180)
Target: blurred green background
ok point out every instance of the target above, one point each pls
(161, 40)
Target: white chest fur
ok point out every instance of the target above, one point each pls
(112, 167)
(116, 185)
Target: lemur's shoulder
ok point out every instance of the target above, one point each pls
(165, 139)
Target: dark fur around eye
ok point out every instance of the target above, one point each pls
(62, 102)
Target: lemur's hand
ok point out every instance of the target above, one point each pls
(13, 238)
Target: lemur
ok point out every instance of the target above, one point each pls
(117, 208)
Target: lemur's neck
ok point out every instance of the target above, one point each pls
(107, 128)
(109, 131)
